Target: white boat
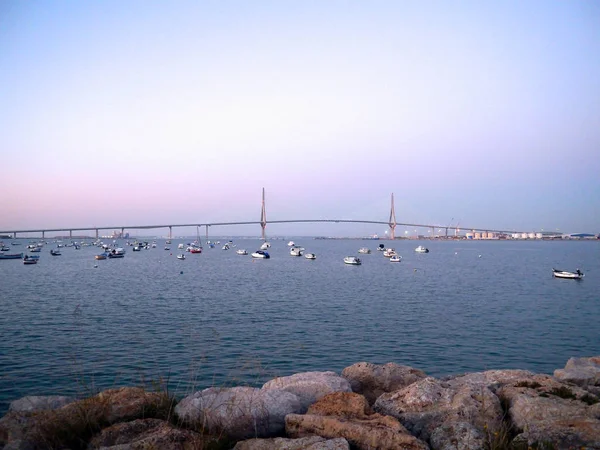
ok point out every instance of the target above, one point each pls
(395, 258)
(577, 275)
(241, 252)
(181, 256)
(421, 249)
(265, 246)
(389, 252)
(296, 251)
(27, 260)
(310, 256)
(180, 246)
(364, 251)
(116, 253)
(55, 252)
(352, 260)
(225, 247)
(291, 244)
(261, 254)
(167, 248)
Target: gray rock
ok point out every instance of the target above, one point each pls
(372, 380)
(239, 412)
(547, 413)
(581, 371)
(310, 386)
(459, 411)
(306, 443)
(38, 403)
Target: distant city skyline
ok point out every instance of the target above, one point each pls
(478, 113)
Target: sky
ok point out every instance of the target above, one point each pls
(473, 113)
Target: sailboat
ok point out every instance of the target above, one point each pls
(196, 246)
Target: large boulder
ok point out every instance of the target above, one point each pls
(39, 403)
(307, 443)
(144, 434)
(239, 412)
(372, 380)
(347, 415)
(310, 386)
(547, 413)
(455, 411)
(584, 372)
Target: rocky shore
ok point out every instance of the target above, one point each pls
(367, 406)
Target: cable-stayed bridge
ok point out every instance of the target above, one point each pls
(263, 222)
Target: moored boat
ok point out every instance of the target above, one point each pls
(364, 250)
(117, 253)
(265, 245)
(241, 252)
(28, 260)
(11, 256)
(296, 251)
(181, 256)
(261, 254)
(101, 256)
(577, 275)
(352, 260)
(389, 252)
(310, 256)
(395, 258)
(55, 252)
(421, 249)
(291, 244)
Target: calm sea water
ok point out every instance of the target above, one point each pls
(219, 318)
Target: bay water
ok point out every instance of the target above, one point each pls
(220, 319)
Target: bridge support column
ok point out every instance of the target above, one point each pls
(446, 231)
(206, 232)
(263, 217)
(170, 232)
(70, 234)
(432, 232)
(392, 222)
(96, 233)
(122, 233)
(43, 234)
(15, 235)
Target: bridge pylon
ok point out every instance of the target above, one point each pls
(392, 222)
(263, 216)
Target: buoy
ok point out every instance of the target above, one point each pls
(479, 256)
(415, 270)
(456, 253)
(181, 273)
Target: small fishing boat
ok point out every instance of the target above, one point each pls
(261, 254)
(395, 258)
(577, 275)
(27, 260)
(11, 256)
(310, 256)
(195, 249)
(352, 260)
(265, 246)
(241, 252)
(421, 249)
(117, 253)
(101, 256)
(296, 251)
(364, 250)
(389, 252)
(55, 252)
(380, 247)
(291, 244)
(181, 256)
